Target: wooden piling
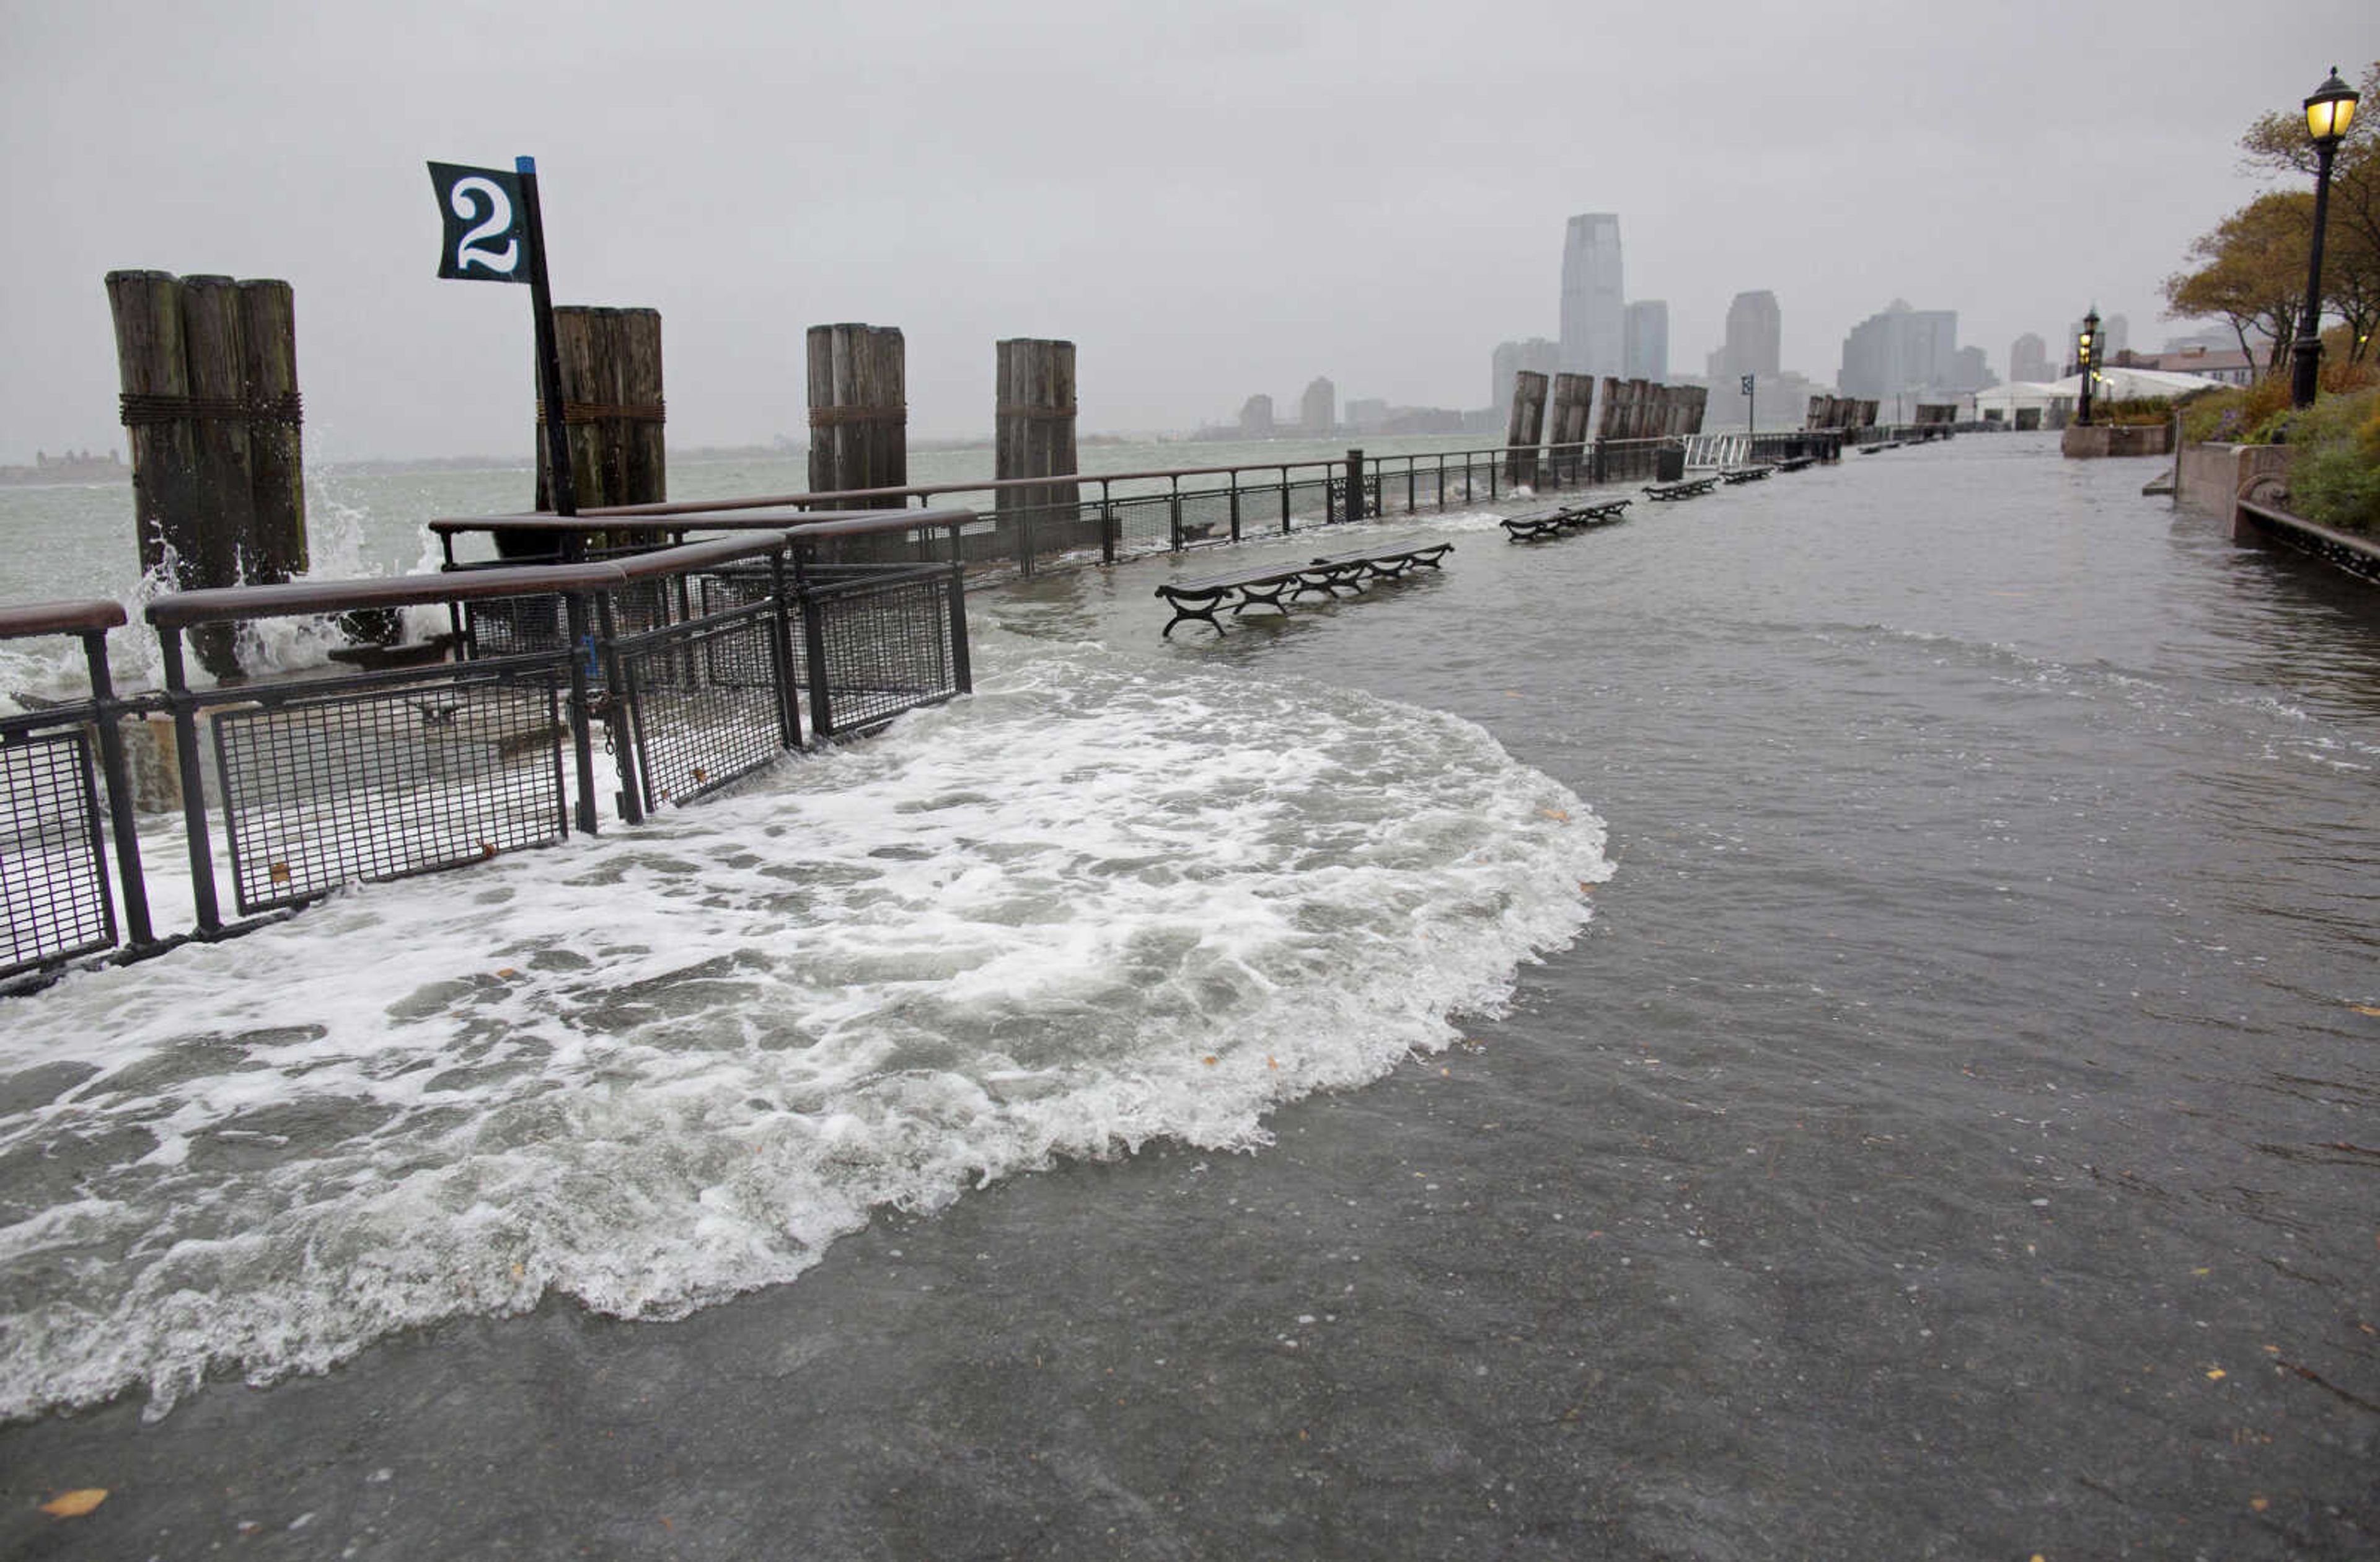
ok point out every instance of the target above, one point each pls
(156, 380)
(613, 413)
(1525, 429)
(209, 370)
(268, 340)
(860, 411)
(1573, 397)
(1033, 435)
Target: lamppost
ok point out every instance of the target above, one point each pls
(2328, 114)
(2086, 349)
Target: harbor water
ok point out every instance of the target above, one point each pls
(1837, 1018)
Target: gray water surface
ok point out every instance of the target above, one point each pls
(1953, 1137)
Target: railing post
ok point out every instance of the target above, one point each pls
(194, 784)
(1107, 525)
(962, 663)
(1173, 511)
(781, 646)
(582, 741)
(1235, 504)
(625, 714)
(120, 813)
(814, 652)
(1354, 485)
(1284, 502)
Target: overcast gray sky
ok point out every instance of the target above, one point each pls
(1209, 199)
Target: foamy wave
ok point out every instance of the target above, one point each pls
(1097, 903)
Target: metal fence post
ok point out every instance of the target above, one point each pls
(1235, 504)
(623, 712)
(1284, 502)
(780, 647)
(1354, 485)
(814, 650)
(194, 783)
(582, 742)
(1174, 511)
(961, 664)
(120, 812)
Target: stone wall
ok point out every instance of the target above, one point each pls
(2212, 476)
(2101, 439)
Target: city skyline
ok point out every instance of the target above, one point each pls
(276, 139)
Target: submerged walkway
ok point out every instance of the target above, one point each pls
(1954, 1136)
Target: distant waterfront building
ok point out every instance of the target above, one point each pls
(1644, 341)
(1969, 372)
(2029, 359)
(2228, 364)
(1594, 308)
(1255, 418)
(1536, 355)
(1317, 410)
(1754, 328)
(1365, 415)
(1901, 350)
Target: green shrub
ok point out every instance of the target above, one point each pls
(2334, 485)
(2334, 476)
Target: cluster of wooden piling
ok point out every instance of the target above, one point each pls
(1841, 412)
(1573, 399)
(1033, 432)
(209, 370)
(613, 413)
(860, 411)
(1641, 409)
(1527, 425)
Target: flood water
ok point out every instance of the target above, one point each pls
(1839, 1017)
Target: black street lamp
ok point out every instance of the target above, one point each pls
(2086, 350)
(2328, 114)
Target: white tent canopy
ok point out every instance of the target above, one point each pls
(2025, 393)
(2137, 384)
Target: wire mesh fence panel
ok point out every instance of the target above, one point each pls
(706, 708)
(1144, 524)
(511, 626)
(384, 781)
(1207, 516)
(1309, 501)
(53, 876)
(883, 644)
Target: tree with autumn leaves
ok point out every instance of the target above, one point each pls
(2251, 267)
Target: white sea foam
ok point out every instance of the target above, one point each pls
(1101, 901)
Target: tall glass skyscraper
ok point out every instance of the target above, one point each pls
(1594, 303)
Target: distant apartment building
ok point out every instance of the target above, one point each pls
(1317, 410)
(1644, 341)
(1900, 351)
(1754, 329)
(1969, 372)
(2229, 365)
(1536, 355)
(1594, 308)
(2029, 359)
(1368, 413)
(1255, 418)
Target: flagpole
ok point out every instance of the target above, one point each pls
(559, 485)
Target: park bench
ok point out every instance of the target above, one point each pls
(1687, 488)
(1733, 475)
(1268, 585)
(1561, 522)
(1795, 463)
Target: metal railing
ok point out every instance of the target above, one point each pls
(1106, 517)
(697, 661)
(53, 871)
